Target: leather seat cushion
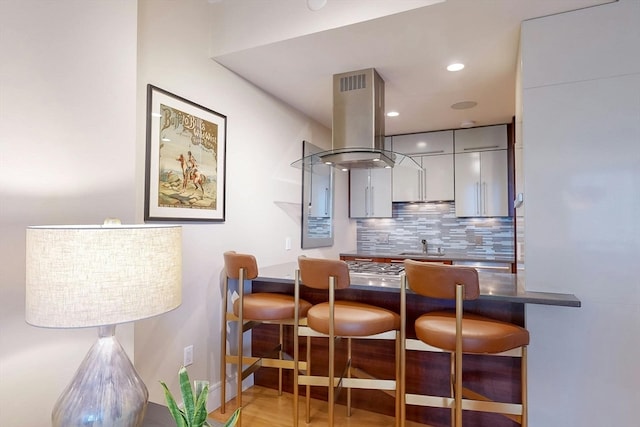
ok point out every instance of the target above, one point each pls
(353, 319)
(270, 306)
(479, 334)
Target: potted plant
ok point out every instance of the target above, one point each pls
(194, 412)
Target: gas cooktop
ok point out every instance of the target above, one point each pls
(375, 268)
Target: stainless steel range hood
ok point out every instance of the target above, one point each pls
(358, 125)
(358, 121)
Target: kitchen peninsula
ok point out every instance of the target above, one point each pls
(503, 297)
(500, 287)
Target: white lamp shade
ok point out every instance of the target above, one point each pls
(82, 276)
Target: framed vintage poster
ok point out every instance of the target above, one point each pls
(185, 160)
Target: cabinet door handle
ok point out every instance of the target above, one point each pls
(484, 198)
(366, 201)
(477, 198)
(434, 152)
(326, 201)
(486, 147)
(373, 210)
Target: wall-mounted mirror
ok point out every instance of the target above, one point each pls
(317, 200)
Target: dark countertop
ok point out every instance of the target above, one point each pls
(448, 255)
(505, 287)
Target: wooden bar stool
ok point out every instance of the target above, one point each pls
(346, 319)
(250, 310)
(458, 333)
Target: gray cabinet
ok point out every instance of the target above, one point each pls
(481, 172)
(434, 181)
(370, 193)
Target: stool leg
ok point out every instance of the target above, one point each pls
(332, 349)
(223, 348)
(523, 368)
(296, 349)
(331, 397)
(398, 381)
(458, 389)
(240, 369)
(349, 376)
(308, 387)
(280, 357)
(458, 354)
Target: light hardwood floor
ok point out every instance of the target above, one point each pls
(262, 407)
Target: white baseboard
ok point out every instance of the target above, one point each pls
(213, 401)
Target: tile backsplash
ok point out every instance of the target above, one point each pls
(438, 224)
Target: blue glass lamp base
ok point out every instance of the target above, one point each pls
(106, 391)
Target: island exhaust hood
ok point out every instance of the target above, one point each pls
(358, 121)
(358, 125)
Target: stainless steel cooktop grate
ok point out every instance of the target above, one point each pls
(377, 268)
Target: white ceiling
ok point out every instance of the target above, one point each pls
(292, 53)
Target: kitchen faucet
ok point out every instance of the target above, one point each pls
(424, 245)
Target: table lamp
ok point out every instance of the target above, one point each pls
(102, 275)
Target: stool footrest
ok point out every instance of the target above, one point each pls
(266, 363)
(467, 404)
(306, 331)
(363, 383)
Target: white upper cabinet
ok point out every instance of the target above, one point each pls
(481, 139)
(481, 172)
(433, 152)
(431, 143)
(370, 193)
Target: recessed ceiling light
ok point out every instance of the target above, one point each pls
(455, 67)
(464, 105)
(316, 5)
(468, 124)
(393, 114)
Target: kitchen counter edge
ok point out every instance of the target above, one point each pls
(504, 287)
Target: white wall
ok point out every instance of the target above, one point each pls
(67, 155)
(581, 124)
(263, 191)
(72, 138)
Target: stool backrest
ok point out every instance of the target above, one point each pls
(315, 272)
(233, 262)
(440, 280)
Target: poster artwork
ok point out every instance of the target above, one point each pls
(188, 162)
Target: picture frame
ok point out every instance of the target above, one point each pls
(185, 160)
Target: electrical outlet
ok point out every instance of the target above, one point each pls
(188, 355)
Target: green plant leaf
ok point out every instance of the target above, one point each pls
(187, 396)
(200, 416)
(176, 412)
(233, 419)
